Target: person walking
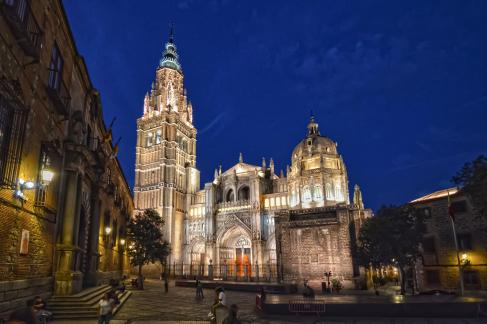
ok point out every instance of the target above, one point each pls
(232, 316)
(222, 298)
(105, 307)
(166, 285)
(39, 307)
(199, 289)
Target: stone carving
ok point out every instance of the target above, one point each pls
(76, 132)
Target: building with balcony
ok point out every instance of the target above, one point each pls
(64, 201)
(438, 265)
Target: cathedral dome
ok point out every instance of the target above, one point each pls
(314, 143)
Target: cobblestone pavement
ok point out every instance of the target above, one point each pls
(179, 305)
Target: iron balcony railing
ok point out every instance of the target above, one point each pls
(24, 26)
(59, 93)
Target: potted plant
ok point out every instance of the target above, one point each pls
(337, 285)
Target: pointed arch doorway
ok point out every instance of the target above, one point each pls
(236, 252)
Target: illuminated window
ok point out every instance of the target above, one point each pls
(149, 139)
(318, 193)
(158, 137)
(266, 203)
(338, 192)
(272, 202)
(329, 192)
(306, 194)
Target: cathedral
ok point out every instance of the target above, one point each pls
(249, 222)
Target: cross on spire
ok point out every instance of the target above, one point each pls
(171, 32)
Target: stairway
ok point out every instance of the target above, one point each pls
(83, 305)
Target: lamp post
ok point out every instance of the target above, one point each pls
(455, 240)
(46, 176)
(108, 230)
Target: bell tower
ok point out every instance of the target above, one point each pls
(166, 178)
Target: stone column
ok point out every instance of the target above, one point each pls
(91, 275)
(210, 270)
(257, 271)
(225, 270)
(67, 279)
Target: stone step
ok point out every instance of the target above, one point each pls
(95, 292)
(83, 293)
(74, 310)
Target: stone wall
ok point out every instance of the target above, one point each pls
(442, 260)
(16, 293)
(309, 249)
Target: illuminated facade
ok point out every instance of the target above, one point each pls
(166, 178)
(64, 201)
(233, 226)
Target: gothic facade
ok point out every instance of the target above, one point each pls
(248, 219)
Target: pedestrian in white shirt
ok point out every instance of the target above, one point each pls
(222, 298)
(105, 307)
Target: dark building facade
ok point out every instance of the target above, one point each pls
(64, 201)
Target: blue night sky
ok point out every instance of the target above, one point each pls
(402, 87)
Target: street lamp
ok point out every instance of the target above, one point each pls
(46, 176)
(108, 230)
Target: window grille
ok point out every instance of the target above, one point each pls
(12, 129)
(44, 163)
(55, 68)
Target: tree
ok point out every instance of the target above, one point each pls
(472, 179)
(393, 237)
(146, 240)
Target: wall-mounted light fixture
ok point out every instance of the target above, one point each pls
(46, 177)
(108, 230)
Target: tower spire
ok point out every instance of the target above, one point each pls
(170, 57)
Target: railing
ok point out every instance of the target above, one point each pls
(228, 272)
(24, 25)
(307, 305)
(231, 206)
(59, 94)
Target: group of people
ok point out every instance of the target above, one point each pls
(220, 307)
(34, 313)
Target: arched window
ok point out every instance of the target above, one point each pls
(338, 192)
(149, 139)
(329, 192)
(158, 137)
(318, 193)
(306, 194)
(230, 195)
(244, 193)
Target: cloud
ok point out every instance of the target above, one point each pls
(213, 125)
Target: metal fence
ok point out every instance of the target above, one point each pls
(229, 272)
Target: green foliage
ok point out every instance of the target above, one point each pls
(472, 179)
(394, 234)
(392, 237)
(336, 284)
(146, 243)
